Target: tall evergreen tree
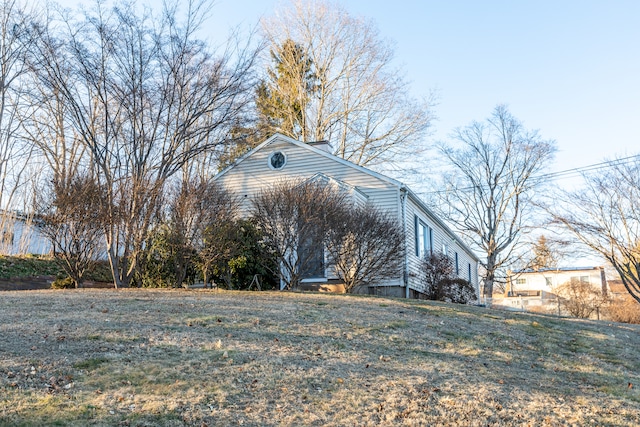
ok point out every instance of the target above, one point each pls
(283, 97)
(543, 255)
(280, 99)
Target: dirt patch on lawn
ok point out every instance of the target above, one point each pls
(43, 282)
(205, 358)
(26, 283)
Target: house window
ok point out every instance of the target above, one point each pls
(457, 265)
(549, 281)
(521, 281)
(584, 279)
(424, 236)
(311, 258)
(277, 160)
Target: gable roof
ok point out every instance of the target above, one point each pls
(313, 149)
(343, 186)
(401, 186)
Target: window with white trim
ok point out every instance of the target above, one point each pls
(424, 237)
(277, 160)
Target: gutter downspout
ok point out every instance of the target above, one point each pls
(405, 272)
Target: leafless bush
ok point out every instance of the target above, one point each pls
(300, 220)
(442, 283)
(218, 242)
(580, 299)
(293, 218)
(200, 214)
(71, 218)
(365, 245)
(624, 309)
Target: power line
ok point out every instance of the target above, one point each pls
(571, 173)
(566, 174)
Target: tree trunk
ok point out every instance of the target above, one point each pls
(489, 279)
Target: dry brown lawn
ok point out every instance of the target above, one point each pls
(207, 358)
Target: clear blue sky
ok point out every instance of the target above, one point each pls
(570, 68)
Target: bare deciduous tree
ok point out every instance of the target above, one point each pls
(365, 246)
(490, 189)
(14, 152)
(145, 97)
(293, 219)
(341, 85)
(605, 216)
(190, 209)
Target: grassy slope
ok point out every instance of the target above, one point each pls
(26, 266)
(142, 357)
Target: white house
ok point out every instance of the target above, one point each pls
(532, 289)
(20, 234)
(281, 158)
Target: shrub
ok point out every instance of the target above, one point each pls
(63, 283)
(365, 245)
(580, 299)
(292, 219)
(624, 309)
(244, 257)
(70, 217)
(457, 290)
(441, 282)
(159, 263)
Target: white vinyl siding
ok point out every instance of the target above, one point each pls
(440, 238)
(253, 173)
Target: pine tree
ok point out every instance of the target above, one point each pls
(282, 98)
(543, 255)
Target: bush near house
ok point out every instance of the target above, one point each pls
(580, 299)
(442, 283)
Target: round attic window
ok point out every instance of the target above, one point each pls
(277, 160)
